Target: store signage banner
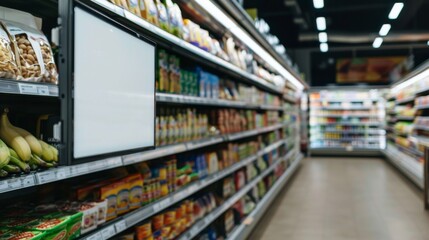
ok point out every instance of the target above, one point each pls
(369, 70)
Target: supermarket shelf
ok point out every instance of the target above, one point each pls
(208, 219)
(356, 151)
(243, 230)
(132, 218)
(344, 115)
(375, 131)
(404, 118)
(343, 100)
(343, 108)
(350, 123)
(289, 99)
(363, 139)
(405, 100)
(409, 151)
(422, 91)
(406, 164)
(421, 139)
(419, 107)
(28, 88)
(191, 100)
(424, 128)
(64, 172)
(189, 48)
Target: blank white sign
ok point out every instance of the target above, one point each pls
(114, 88)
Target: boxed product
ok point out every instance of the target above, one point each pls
(18, 234)
(135, 184)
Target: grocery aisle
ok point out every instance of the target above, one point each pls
(338, 198)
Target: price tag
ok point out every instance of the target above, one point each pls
(62, 173)
(156, 207)
(28, 181)
(194, 232)
(178, 196)
(120, 226)
(165, 203)
(27, 88)
(43, 90)
(3, 186)
(45, 177)
(108, 232)
(15, 183)
(96, 236)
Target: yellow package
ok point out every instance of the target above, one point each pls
(135, 184)
(123, 198)
(162, 15)
(110, 192)
(133, 6)
(149, 11)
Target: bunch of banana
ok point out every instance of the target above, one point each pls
(4, 159)
(27, 151)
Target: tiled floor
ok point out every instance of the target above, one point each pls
(346, 199)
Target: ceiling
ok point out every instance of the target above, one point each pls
(346, 19)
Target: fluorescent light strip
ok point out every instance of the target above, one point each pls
(323, 37)
(324, 47)
(245, 38)
(318, 4)
(321, 23)
(411, 80)
(384, 30)
(377, 42)
(396, 10)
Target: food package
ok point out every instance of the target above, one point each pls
(8, 66)
(135, 184)
(229, 46)
(149, 11)
(133, 6)
(33, 53)
(22, 234)
(194, 32)
(174, 18)
(110, 192)
(120, 3)
(163, 70)
(123, 197)
(162, 15)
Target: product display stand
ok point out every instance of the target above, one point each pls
(346, 121)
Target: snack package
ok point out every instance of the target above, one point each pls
(33, 53)
(22, 235)
(110, 192)
(149, 11)
(174, 18)
(102, 212)
(162, 15)
(8, 66)
(135, 184)
(123, 197)
(133, 6)
(120, 3)
(163, 70)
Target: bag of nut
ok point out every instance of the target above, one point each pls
(33, 53)
(8, 67)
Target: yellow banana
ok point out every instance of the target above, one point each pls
(47, 154)
(34, 144)
(55, 151)
(4, 154)
(13, 139)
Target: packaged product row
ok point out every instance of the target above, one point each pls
(176, 220)
(422, 121)
(186, 124)
(174, 76)
(344, 95)
(345, 112)
(345, 143)
(345, 128)
(167, 15)
(235, 216)
(344, 120)
(25, 52)
(347, 135)
(106, 196)
(421, 101)
(404, 127)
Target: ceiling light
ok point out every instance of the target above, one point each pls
(321, 23)
(384, 30)
(323, 47)
(323, 37)
(318, 3)
(396, 10)
(377, 42)
(428, 43)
